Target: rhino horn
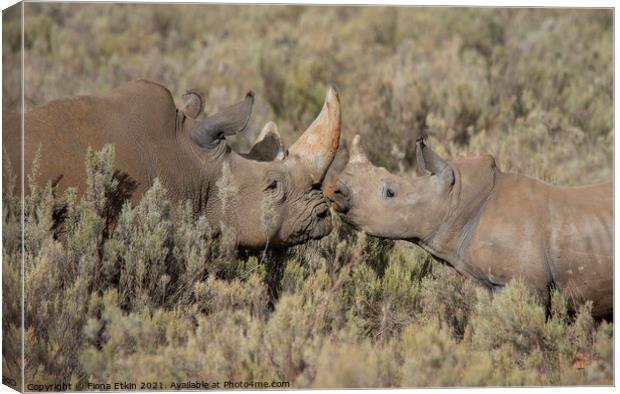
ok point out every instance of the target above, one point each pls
(268, 145)
(192, 104)
(231, 120)
(356, 152)
(317, 146)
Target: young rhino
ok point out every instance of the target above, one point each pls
(488, 225)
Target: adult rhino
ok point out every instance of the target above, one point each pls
(270, 196)
(489, 225)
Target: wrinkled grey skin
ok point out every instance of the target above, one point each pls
(488, 225)
(270, 196)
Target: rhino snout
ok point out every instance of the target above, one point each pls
(323, 211)
(339, 195)
(323, 222)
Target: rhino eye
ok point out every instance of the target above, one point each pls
(273, 185)
(276, 191)
(389, 190)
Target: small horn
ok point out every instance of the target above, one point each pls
(229, 121)
(317, 146)
(270, 129)
(356, 152)
(268, 145)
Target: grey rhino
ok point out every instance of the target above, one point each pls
(489, 225)
(270, 196)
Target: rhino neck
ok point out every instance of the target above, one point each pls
(474, 185)
(189, 173)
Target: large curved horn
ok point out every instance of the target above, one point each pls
(317, 146)
(230, 120)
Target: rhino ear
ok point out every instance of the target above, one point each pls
(268, 145)
(229, 121)
(193, 104)
(428, 162)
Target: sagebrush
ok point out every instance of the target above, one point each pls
(151, 296)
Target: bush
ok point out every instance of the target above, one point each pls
(150, 296)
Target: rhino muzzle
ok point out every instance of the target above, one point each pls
(339, 195)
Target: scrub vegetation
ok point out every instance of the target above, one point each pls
(148, 294)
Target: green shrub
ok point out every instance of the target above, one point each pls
(433, 358)
(448, 297)
(150, 295)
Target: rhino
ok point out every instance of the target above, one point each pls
(489, 225)
(270, 196)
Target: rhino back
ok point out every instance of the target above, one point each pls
(138, 118)
(580, 243)
(508, 240)
(547, 235)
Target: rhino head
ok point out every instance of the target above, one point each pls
(271, 196)
(390, 206)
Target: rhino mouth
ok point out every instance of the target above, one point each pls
(314, 226)
(338, 195)
(340, 209)
(323, 225)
